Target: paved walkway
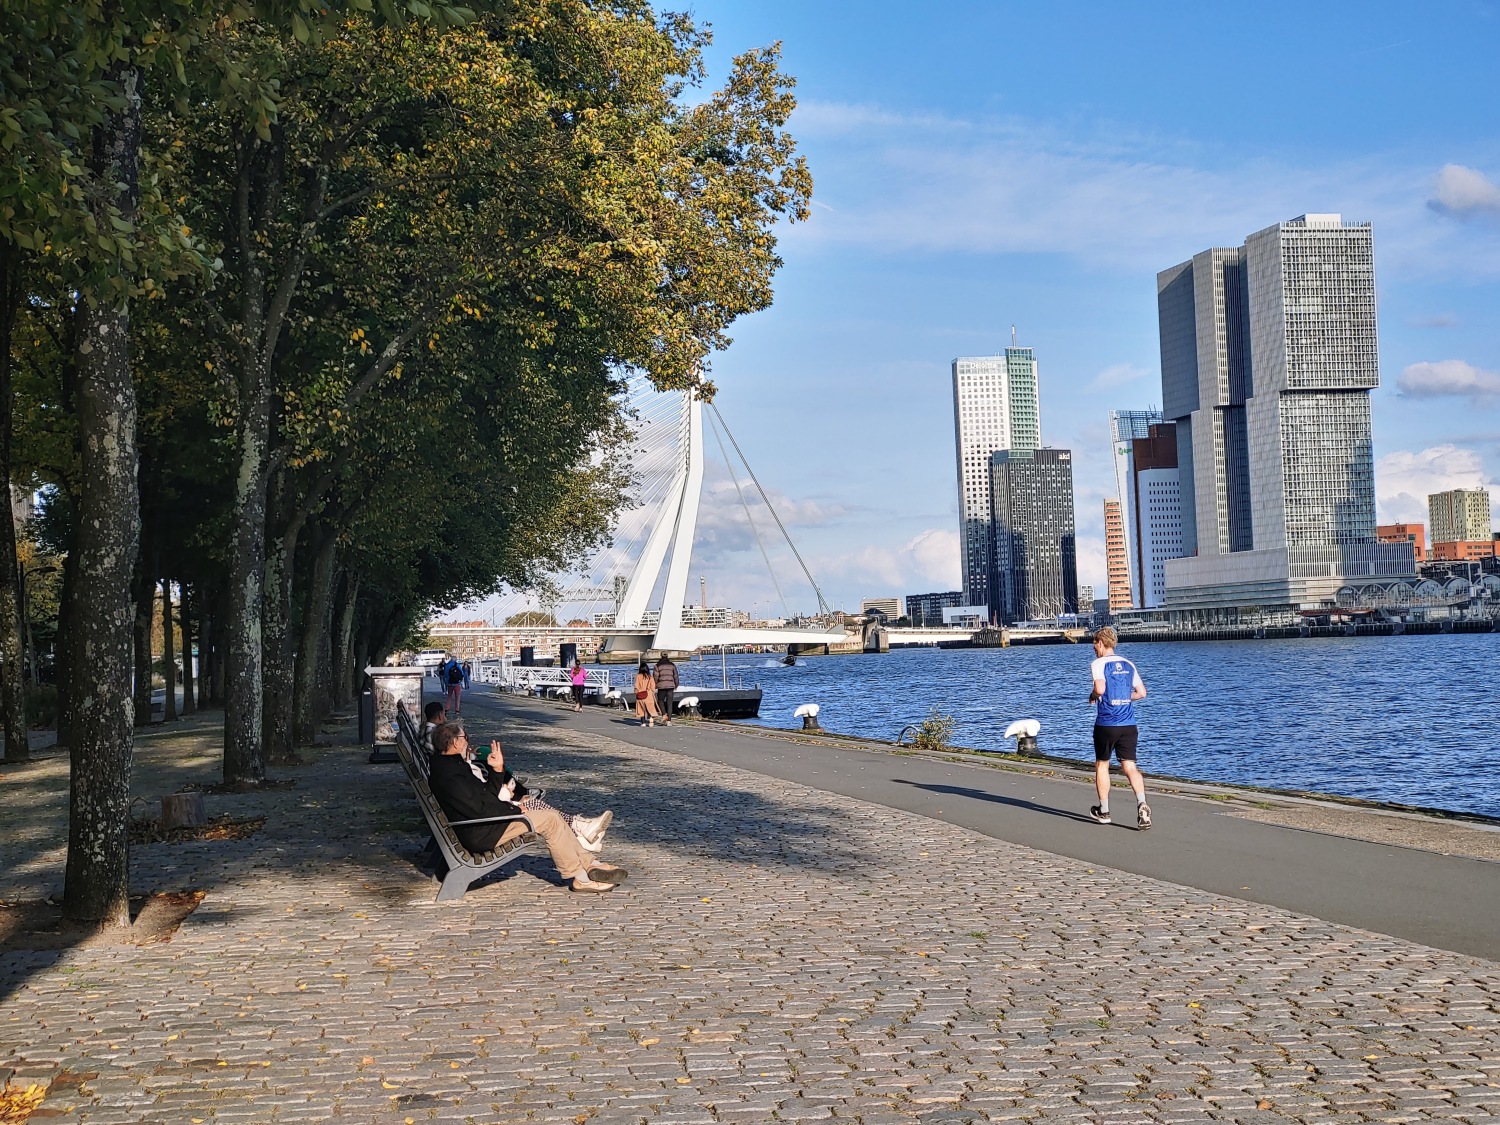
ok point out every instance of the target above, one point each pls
(780, 953)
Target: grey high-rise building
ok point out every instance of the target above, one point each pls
(1268, 357)
(1036, 557)
(994, 407)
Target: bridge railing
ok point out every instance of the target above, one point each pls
(509, 676)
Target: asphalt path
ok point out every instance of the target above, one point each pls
(1448, 902)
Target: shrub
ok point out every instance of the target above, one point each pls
(935, 731)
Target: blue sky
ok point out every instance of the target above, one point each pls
(979, 165)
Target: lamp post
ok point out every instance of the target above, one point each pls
(26, 637)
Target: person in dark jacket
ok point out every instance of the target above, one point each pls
(666, 684)
(469, 790)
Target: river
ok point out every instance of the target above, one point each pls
(1414, 720)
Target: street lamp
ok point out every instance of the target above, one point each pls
(26, 635)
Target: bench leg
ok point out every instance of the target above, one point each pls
(455, 883)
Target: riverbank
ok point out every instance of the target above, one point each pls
(1398, 723)
(1440, 831)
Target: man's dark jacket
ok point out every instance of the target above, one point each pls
(464, 797)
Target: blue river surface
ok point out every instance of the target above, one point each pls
(1408, 719)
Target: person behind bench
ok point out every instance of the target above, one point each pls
(468, 790)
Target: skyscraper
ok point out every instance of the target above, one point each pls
(1460, 515)
(1146, 476)
(995, 406)
(1036, 558)
(1268, 356)
(1116, 558)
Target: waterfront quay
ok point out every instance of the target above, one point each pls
(786, 949)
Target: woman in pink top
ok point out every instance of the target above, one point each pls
(578, 677)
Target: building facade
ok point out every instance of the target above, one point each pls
(1460, 515)
(1125, 426)
(1116, 558)
(924, 610)
(889, 608)
(1036, 561)
(1268, 358)
(995, 406)
(1413, 534)
(1145, 456)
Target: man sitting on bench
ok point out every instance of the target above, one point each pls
(469, 790)
(434, 715)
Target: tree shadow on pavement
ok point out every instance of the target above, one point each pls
(357, 827)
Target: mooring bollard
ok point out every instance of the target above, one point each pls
(1024, 731)
(808, 713)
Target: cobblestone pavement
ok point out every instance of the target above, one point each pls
(778, 954)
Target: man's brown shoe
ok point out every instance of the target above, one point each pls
(608, 873)
(584, 883)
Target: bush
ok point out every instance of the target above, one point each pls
(935, 731)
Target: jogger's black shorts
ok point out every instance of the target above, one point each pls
(1119, 740)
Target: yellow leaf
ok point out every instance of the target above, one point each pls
(649, 1042)
(390, 1085)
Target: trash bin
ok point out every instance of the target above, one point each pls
(367, 718)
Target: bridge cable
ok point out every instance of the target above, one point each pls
(822, 604)
(728, 464)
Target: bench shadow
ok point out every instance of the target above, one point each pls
(363, 820)
(996, 799)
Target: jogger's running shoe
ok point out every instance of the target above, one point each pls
(1142, 817)
(1100, 815)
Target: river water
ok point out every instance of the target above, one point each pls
(1415, 720)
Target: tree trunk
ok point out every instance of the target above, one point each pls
(12, 672)
(279, 680)
(220, 660)
(144, 588)
(168, 655)
(312, 646)
(185, 623)
(68, 683)
(345, 682)
(98, 867)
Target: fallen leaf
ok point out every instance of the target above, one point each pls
(390, 1085)
(649, 1042)
(1263, 1104)
(683, 1081)
(367, 1061)
(1194, 1004)
(169, 1038)
(453, 1066)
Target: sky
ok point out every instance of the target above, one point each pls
(983, 165)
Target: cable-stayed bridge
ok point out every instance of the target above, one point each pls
(634, 593)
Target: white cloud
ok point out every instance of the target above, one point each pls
(927, 561)
(1117, 375)
(1448, 378)
(1114, 197)
(1463, 192)
(1404, 480)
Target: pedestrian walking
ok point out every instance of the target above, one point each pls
(645, 695)
(454, 679)
(666, 683)
(578, 678)
(1117, 685)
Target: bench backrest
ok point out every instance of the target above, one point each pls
(414, 761)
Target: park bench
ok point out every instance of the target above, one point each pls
(464, 868)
